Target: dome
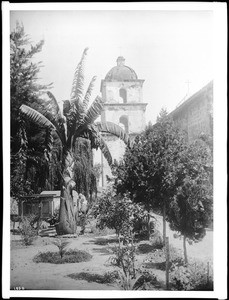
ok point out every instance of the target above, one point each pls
(121, 72)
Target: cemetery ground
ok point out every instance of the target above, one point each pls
(94, 274)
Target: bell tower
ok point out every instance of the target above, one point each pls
(123, 104)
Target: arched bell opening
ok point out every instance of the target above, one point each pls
(123, 94)
(124, 123)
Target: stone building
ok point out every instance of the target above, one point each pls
(195, 115)
(123, 97)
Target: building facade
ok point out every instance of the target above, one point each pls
(195, 115)
(122, 93)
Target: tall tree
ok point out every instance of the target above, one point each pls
(24, 89)
(77, 121)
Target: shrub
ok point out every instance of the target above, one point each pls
(191, 277)
(146, 281)
(130, 278)
(156, 240)
(61, 244)
(27, 231)
(124, 258)
(118, 212)
(71, 256)
(156, 259)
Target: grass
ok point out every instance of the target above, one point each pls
(71, 256)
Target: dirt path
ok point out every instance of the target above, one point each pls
(44, 276)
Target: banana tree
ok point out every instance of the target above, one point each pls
(76, 121)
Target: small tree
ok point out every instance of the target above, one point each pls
(117, 212)
(62, 245)
(148, 169)
(191, 208)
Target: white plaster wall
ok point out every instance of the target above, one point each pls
(134, 92)
(135, 115)
(117, 150)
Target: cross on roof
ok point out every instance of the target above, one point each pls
(188, 82)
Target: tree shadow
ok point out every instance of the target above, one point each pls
(103, 251)
(107, 278)
(156, 265)
(147, 248)
(103, 241)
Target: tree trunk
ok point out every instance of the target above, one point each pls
(67, 216)
(164, 222)
(148, 222)
(67, 220)
(185, 250)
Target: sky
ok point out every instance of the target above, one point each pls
(165, 48)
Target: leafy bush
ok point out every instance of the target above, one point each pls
(61, 244)
(28, 233)
(130, 278)
(191, 277)
(71, 256)
(156, 259)
(146, 281)
(124, 258)
(156, 240)
(119, 213)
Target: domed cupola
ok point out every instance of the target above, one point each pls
(121, 72)
(122, 94)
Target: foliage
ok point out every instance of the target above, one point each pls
(78, 134)
(124, 258)
(129, 277)
(150, 247)
(84, 172)
(28, 233)
(194, 276)
(54, 218)
(23, 74)
(157, 259)
(97, 170)
(106, 278)
(62, 245)
(29, 168)
(71, 256)
(156, 240)
(191, 208)
(117, 212)
(166, 174)
(147, 170)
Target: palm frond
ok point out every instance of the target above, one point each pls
(48, 140)
(94, 111)
(88, 94)
(36, 117)
(78, 81)
(53, 105)
(110, 127)
(45, 119)
(105, 150)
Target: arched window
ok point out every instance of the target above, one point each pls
(123, 120)
(123, 95)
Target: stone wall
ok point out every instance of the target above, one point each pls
(195, 115)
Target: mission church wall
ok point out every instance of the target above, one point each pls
(123, 105)
(195, 115)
